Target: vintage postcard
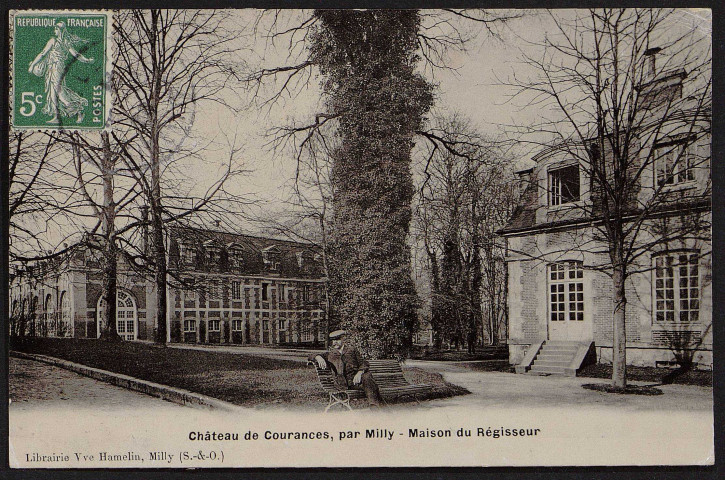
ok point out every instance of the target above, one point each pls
(360, 238)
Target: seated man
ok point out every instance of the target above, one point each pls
(350, 370)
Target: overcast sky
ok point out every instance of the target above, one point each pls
(472, 86)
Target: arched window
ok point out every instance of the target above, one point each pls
(64, 325)
(126, 315)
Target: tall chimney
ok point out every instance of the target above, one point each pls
(650, 63)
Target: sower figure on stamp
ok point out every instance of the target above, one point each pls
(349, 368)
(51, 63)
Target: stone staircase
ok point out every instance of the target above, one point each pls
(556, 357)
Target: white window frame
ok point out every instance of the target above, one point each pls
(554, 190)
(236, 290)
(214, 325)
(674, 164)
(566, 299)
(668, 288)
(237, 323)
(189, 325)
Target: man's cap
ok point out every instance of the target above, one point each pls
(337, 334)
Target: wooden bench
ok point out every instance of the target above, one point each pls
(387, 374)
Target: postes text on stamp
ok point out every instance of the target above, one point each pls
(60, 74)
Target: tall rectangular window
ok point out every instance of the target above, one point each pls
(215, 290)
(306, 334)
(564, 185)
(674, 164)
(190, 325)
(214, 325)
(566, 291)
(236, 291)
(236, 325)
(677, 287)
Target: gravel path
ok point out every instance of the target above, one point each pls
(36, 385)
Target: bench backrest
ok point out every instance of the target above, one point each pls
(387, 374)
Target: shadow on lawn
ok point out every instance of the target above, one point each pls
(239, 378)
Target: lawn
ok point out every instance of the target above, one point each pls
(702, 378)
(242, 379)
(604, 371)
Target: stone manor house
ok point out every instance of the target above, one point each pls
(223, 288)
(561, 304)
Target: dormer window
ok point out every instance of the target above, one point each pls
(187, 254)
(236, 256)
(564, 185)
(213, 253)
(673, 164)
(271, 257)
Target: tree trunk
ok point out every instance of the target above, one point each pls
(435, 307)
(328, 306)
(159, 251)
(619, 351)
(110, 253)
(475, 315)
(156, 212)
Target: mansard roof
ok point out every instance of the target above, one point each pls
(250, 250)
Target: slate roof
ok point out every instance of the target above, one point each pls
(285, 252)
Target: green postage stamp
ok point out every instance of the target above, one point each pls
(60, 69)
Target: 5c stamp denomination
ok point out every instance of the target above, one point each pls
(60, 69)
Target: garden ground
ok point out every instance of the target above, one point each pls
(243, 379)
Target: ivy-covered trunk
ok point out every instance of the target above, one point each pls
(368, 62)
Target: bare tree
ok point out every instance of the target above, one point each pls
(464, 195)
(168, 63)
(98, 168)
(626, 92)
(35, 170)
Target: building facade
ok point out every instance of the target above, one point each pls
(559, 269)
(223, 288)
